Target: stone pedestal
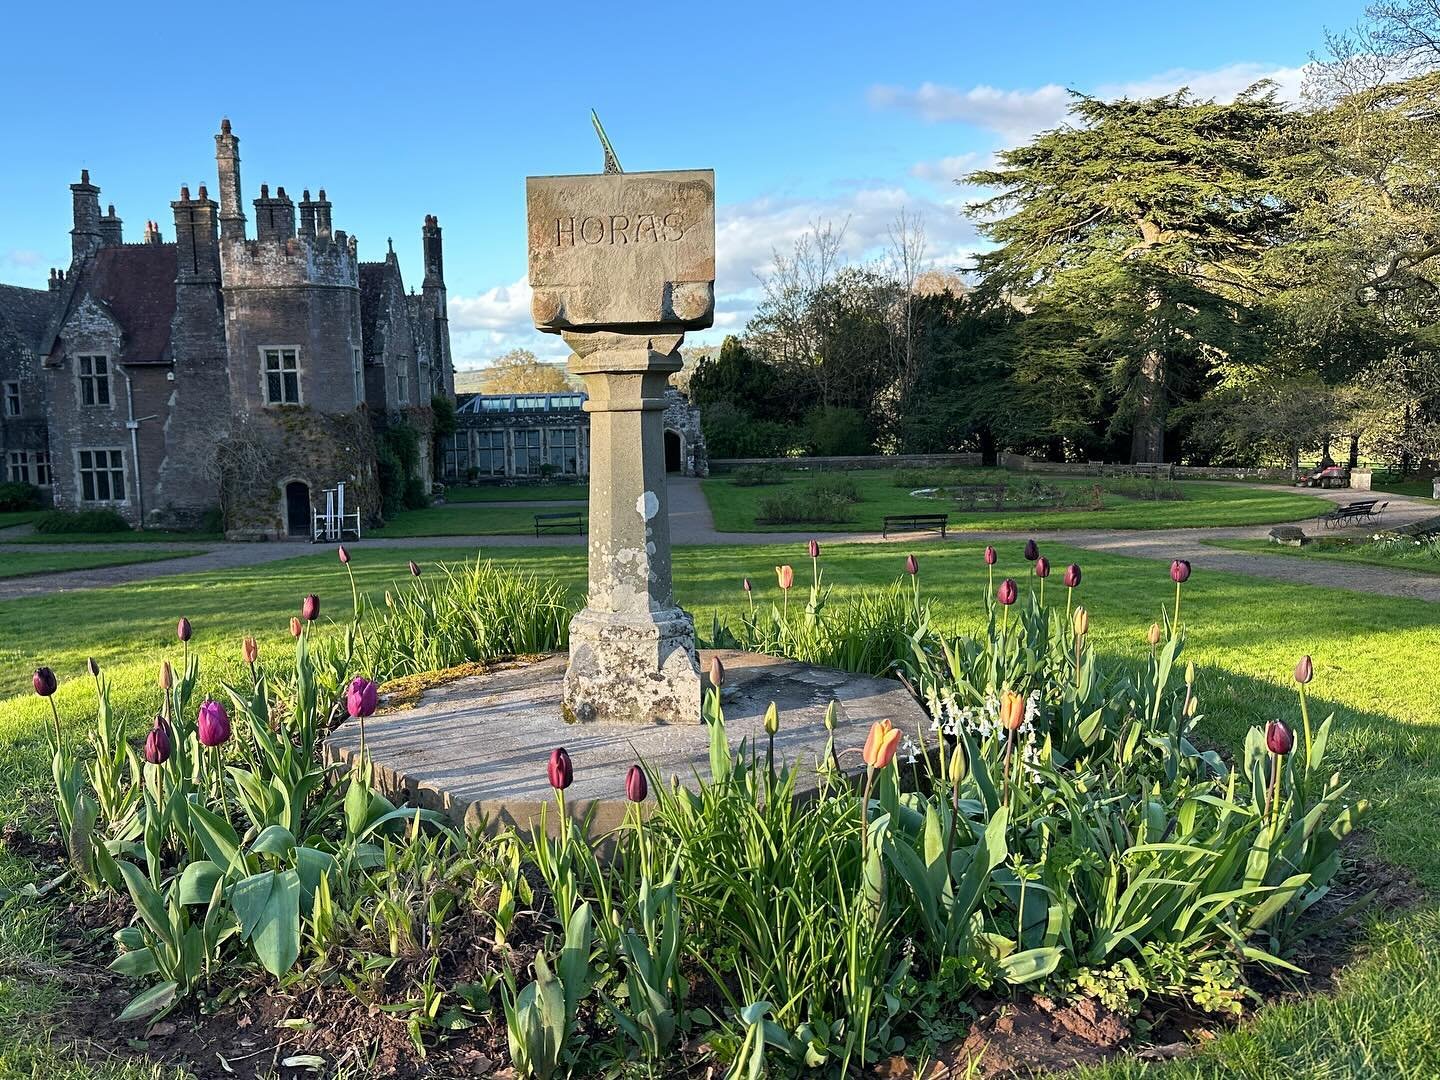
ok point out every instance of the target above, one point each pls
(632, 650)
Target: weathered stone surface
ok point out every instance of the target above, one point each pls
(476, 748)
(1288, 535)
(622, 249)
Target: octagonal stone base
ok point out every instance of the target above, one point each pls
(476, 748)
(607, 651)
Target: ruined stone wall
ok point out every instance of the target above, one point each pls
(684, 418)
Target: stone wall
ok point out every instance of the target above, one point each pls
(867, 461)
(683, 419)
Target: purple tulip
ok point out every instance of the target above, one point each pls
(414, 568)
(1304, 670)
(157, 743)
(560, 771)
(361, 697)
(1032, 551)
(92, 667)
(44, 681)
(717, 672)
(183, 630)
(814, 549)
(636, 786)
(1042, 567)
(1180, 571)
(990, 556)
(1072, 576)
(912, 567)
(745, 584)
(1278, 738)
(310, 608)
(212, 725)
(1008, 592)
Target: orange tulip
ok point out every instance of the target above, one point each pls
(1012, 710)
(249, 649)
(881, 744)
(786, 575)
(167, 676)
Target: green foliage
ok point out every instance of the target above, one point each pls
(398, 457)
(17, 496)
(837, 431)
(756, 476)
(80, 521)
(732, 432)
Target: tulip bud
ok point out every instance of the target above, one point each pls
(636, 787)
(1190, 673)
(881, 744)
(1304, 670)
(1042, 567)
(167, 676)
(249, 650)
(295, 628)
(1180, 571)
(959, 765)
(831, 713)
(212, 725)
(310, 608)
(157, 743)
(1008, 592)
(1032, 551)
(1080, 622)
(814, 549)
(560, 771)
(912, 567)
(772, 719)
(717, 672)
(361, 697)
(990, 556)
(1012, 710)
(344, 555)
(1154, 635)
(414, 568)
(44, 681)
(745, 584)
(1278, 738)
(92, 667)
(183, 630)
(1072, 576)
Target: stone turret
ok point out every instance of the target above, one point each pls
(227, 163)
(274, 217)
(198, 255)
(111, 228)
(86, 237)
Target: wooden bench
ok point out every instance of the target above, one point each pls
(1350, 512)
(915, 523)
(571, 520)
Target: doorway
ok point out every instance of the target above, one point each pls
(674, 452)
(297, 508)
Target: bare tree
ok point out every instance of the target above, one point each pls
(906, 260)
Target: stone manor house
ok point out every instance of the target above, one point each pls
(220, 371)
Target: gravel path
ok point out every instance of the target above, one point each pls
(691, 524)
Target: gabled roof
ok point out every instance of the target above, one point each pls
(136, 284)
(26, 313)
(372, 294)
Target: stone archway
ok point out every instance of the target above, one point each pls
(298, 516)
(674, 451)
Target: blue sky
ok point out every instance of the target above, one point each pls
(815, 111)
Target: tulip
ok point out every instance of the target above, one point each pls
(212, 725)
(959, 765)
(157, 743)
(183, 630)
(717, 672)
(1278, 738)
(814, 549)
(1304, 670)
(912, 567)
(1008, 592)
(310, 608)
(1154, 635)
(772, 719)
(785, 575)
(249, 650)
(167, 675)
(344, 555)
(1032, 551)
(1012, 710)
(44, 681)
(361, 697)
(831, 713)
(92, 667)
(881, 744)
(560, 771)
(745, 584)
(1042, 567)
(1180, 571)
(1072, 576)
(990, 556)
(1080, 622)
(636, 786)
(414, 568)
(295, 627)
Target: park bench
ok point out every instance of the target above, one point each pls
(572, 519)
(1355, 512)
(915, 523)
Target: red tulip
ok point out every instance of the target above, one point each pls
(157, 743)
(990, 556)
(1042, 567)
(561, 773)
(911, 566)
(636, 786)
(310, 608)
(212, 725)
(1008, 592)
(1304, 670)
(361, 697)
(44, 681)
(183, 630)
(1072, 576)
(344, 555)
(1180, 571)
(1278, 738)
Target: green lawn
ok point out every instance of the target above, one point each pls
(1206, 503)
(1415, 487)
(520, 492)
(15, 564)
(144, 536)
(467, 520)
(1419, 558)
(1374, 659)
(9, 518)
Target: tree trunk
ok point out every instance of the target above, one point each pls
(1325, 459)
(1354, 451)
(987, 447)
(1147, 441)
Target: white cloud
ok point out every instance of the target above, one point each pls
(21, 257)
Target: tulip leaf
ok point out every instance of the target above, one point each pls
(148, 1002)
(1032, 964)
(217, 837)
(197, 882)
(268, 907)
(275, 840)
